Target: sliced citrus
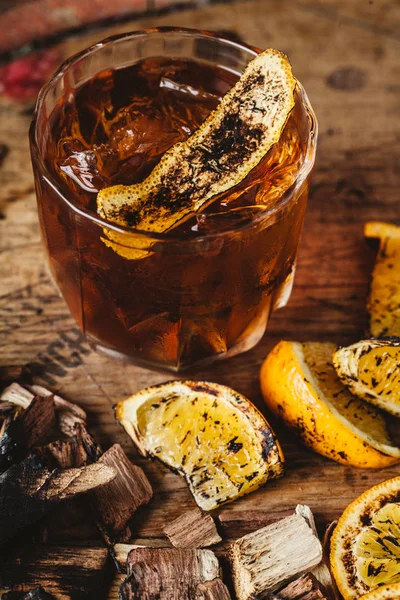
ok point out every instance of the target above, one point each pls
(384, 299)
(365, 545)
(300, 385)
(216, 157)
(371, 370)
(384, 592)
(206, 432)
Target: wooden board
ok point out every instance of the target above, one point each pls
(346, 55)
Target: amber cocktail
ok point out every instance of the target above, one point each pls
(207, 287)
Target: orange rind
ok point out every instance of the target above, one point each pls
(299, 384)
(384, 298)
(365, 545)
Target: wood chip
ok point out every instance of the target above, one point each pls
(117, 502)
(167, 573)
(27, 430)
(69, 415)
(237, 523)
(306, 587)
(194, 529)
(38, 593)
(212, 590)
(266, 559)
(18, 395)
(75, 451)
(29, 491)
(64, 572)
(9, 373)
(120, 551)
(321, 572)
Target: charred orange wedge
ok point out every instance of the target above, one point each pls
(300, 385)
(208, 433)
(365, 545)
(384, 299)
(219, 155)
(371, 370)
(384, 592)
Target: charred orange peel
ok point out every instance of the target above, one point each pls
(219, 155)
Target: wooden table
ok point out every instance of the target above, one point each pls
(346, 55)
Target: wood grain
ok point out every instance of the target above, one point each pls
(346, 55)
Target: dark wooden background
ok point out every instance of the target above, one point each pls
(347, 56)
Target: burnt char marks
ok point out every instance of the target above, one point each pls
(201, 386)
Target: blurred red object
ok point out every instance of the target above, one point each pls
(22, 78)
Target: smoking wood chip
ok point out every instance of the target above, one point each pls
(268, 558)
(212, 590)
(194, 529)
(27, 430)
(65, 572)
(117, 502)
(167, 573)
(216, 157)
(28, 491)
(306, 587)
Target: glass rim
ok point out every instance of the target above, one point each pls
(304, 171)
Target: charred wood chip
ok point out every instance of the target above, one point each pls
(194, 529)
(64, 572)
(27, 430)
(212, 590)
(167, 573)
(29, 491)
(306, 587)
(117, 502)
(38, 593)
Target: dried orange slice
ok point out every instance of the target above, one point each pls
(384, 299)
(208, 433)
(365, 545)
(300, 385)
(219, 155)
(370, 369)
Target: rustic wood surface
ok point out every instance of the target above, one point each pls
(346, 55)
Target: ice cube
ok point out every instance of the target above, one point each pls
(184, 88)
(80, 165)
